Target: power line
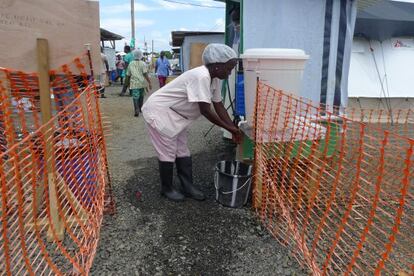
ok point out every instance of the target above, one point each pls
(215, 27)
(193, 4)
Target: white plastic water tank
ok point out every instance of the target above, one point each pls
(279, 68)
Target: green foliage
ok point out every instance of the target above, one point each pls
(168, 54)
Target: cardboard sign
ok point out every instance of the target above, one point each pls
(67, 25)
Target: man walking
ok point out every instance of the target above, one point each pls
(162, 68)
(104, 76)
(128, 58)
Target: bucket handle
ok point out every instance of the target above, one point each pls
(230, 192)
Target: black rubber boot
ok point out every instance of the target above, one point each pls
(167, 174)
(136, 107)
(185, 174)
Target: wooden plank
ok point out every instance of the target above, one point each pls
(196, 53)
(44, 78)
(46, 110)
(71, 222)
(78, 208)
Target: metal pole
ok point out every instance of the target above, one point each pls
(152, 46)
(133, 19)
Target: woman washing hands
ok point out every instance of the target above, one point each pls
(170, 111)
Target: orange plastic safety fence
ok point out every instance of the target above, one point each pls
(337, 189)
(53, 176)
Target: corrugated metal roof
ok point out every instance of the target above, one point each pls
(178, 36)
(109, 36)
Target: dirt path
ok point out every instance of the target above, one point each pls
(153, 236)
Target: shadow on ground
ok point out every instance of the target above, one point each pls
(153, 236)
(195, 236)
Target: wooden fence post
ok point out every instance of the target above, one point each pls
(45, 108)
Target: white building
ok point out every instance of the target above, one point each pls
(192, 44)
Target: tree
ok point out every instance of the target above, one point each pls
(168, 54)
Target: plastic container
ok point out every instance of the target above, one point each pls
(281, 69)
(232, 181)
(240, 106)
(113, 75)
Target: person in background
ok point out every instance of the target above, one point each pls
(120, 69)
(141, 98)
(162, 69)
(128, 58)
(171, 110)
(136, 76)
(104, 76)
(235, 31)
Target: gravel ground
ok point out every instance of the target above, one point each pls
(152, 236)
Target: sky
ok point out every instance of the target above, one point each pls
(155, 19)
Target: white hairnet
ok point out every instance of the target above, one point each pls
(137, 54)
(215, 53)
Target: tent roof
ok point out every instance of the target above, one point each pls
(381, 29)
(386, 9)
(383, 19)
(109, 36)
(178, 36)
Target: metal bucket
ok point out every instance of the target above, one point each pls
(232, 180)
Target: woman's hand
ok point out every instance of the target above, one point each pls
(237, 135)
(226, 123)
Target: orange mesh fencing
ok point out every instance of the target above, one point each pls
(338, 190)
(53, 176)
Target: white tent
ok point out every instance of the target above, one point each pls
(382, 59)
(339, 71)
(381, 73)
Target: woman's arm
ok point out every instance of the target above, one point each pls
(222, 112)
(205, 110)
(127, 77)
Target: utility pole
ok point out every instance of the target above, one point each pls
(152, 46)
(133, 20)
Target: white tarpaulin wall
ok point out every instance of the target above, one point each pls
(324, 29)
(381, 73)
(386, 71)
(111, 56)
(390, 104)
